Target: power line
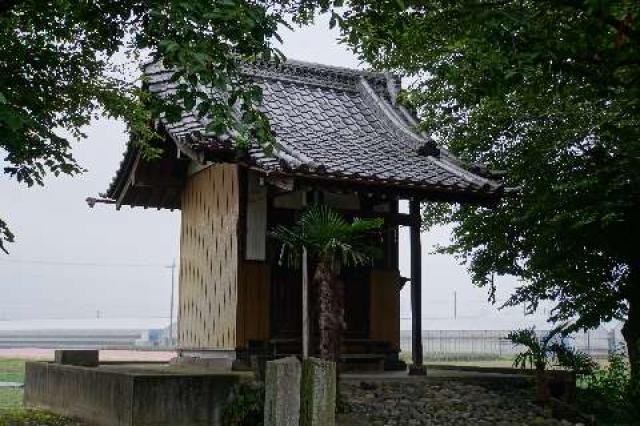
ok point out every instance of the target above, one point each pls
(89, 264)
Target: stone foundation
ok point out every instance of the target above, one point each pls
(131, 394)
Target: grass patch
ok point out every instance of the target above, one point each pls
(12, 370)
(494, 363)
(24, 417)
(10, 398)
(11, 411)
(477, 360)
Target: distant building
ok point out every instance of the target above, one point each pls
(104, 333)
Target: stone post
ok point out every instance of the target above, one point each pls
(282, 392)
(80, 357)
(318, 393)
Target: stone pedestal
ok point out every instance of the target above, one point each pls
(84, 358)
(318, 393)
(282, 392)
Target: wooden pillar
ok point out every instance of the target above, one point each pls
(417, 368)
(305, 295)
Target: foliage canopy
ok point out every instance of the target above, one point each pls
(65, 62)
(549, 92)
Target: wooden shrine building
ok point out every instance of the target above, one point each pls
(342, 140)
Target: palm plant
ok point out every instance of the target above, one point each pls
(331, 242)
(541, 352)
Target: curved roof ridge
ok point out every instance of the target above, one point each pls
(397, 120)
(341, 78)
(153, 67)
(388, 112)
(335, 68)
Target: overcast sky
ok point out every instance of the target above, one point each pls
(70, 261)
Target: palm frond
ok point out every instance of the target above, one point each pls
(526, 337)
(573, 359)
(535, 352)
(542, 350)
(326, 234)
(292, 243)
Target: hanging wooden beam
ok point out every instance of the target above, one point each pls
(400, 219)
(417, 367)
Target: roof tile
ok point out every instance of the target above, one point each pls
(339, 120)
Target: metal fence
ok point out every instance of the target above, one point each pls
(492, 344)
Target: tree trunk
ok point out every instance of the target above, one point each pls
(542, 388)
(631, 328)
(329, 321)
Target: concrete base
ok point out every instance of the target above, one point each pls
(131, 394)
(229, 354)
(417, 370)
(218, 364)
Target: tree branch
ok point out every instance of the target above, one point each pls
(621, 25)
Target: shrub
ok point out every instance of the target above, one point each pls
(610, 394)
(245, 406)
(550, 349)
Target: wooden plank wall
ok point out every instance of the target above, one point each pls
(384, 307)
(209, 259)
(254, 303)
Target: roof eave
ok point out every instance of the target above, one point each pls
(397, 189)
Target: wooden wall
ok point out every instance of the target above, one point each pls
(384, 307)
(254, 303)
(224, 299)
(209, 259)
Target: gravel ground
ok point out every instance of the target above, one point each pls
(450, 403)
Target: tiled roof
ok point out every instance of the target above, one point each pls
(334, 123)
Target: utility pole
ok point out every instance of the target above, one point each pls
(455, 304)
(173, 268)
